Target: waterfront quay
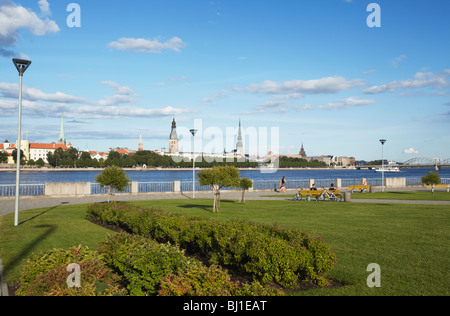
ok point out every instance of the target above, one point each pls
(81, 182)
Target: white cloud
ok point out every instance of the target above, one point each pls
(124, 95)
(179, 79)
(45, 7)
(215, 96)
(410, 151)
(398, 60)
(142, 45)
(14, 17)
(40, 104)
(11, 90)
(434, 80)
(346, 103)
(328, 85)
(369, 72)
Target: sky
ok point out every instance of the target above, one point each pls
(336, 75)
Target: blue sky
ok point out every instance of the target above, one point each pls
(313, 69)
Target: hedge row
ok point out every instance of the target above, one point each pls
(267, 253)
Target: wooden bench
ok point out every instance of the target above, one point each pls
(359, 188)
(311, 193)
(314, 193)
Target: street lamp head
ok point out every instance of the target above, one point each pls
(193, 132)
(382, 141)
(21, 65)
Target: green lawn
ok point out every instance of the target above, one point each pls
(405, 195)
(411, 243)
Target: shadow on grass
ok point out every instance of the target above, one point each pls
(43, 212)
(205, 207)
(50, 229)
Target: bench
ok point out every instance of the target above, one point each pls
(312, 193)
(359, 188)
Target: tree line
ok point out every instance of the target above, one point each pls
(72, 158)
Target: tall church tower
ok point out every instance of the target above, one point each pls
(173, 141)
(141, 146)
(62, 138)
(239, 145)
(302, 152)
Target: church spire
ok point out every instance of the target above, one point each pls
(173, 140)
(239, 145)
(141, 145)
(62, 137)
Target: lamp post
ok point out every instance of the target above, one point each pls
(382, 141)
(21, 65)
(193, 132)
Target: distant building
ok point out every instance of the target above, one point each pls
(346, 161)
(40, 151)
(173, 140)
(32, 151)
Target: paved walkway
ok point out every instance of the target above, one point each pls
(7, 205)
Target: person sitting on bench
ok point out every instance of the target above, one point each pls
(313, 188)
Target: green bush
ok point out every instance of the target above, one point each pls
(268, 253)
(141, 262)
(46, 275)
(200, 280)
(149, 268)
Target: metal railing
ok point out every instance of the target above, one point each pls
(150, 187)
(9, 190)
(34, 190)
(97, 189)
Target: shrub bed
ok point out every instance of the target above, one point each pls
(267, 253)
(126, 264)
(150, 268)
(46, 275)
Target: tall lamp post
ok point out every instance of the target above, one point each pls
(382, 141)
(193, 132)
(21, 65)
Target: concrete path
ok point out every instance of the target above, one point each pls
(8, 205)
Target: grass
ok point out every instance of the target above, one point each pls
(411, 243)
(392, 195)
(405, 195)
(44, 229)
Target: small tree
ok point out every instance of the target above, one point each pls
(431, 178)
(218, 178)
(245, 184)
(115, 178)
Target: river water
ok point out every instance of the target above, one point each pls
(41, 177)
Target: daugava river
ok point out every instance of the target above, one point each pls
(41, 177)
